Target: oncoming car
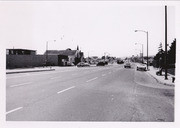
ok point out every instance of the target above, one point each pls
(101, 63)
(127, 65)
(141, 67)
(83, 64)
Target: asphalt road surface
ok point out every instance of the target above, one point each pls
(104, 93)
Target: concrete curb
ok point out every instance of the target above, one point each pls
(29, 71)
(160, 82)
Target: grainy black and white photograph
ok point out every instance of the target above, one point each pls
(89, 61)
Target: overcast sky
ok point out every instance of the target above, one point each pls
(97, 27)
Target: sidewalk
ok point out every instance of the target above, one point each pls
(161, 79)
(24, 70)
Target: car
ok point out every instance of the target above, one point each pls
(141, 67)
(83, 64)
(127, 65)
(120, 62)
(69, 64)
(101, 63)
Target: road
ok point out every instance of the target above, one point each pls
(104, 93)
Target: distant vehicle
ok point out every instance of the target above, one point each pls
(141, 67)
(120, 61)
(70, 64)
(127, 65)
(101, 63)
(106, 63)
(83, 64)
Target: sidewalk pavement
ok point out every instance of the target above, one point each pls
(161, 79)
(24, 70)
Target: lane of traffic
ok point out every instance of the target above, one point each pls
(42, 88)
(34, 77)
(54, 106)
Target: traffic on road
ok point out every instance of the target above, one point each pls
(95, 93)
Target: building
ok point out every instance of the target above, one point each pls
(24, 58)
(66, 57)
(20, 52)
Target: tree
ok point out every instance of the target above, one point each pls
(172, 53)
(77, 60)
(159, 58)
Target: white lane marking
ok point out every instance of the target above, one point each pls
(16, 109)
(20, 84)
(103, 74)
(55, 77)
(92, 79)
(36, 74)
(66, 89)
(23, 75)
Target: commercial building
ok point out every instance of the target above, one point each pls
(24, 58)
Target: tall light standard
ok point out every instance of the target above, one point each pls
(47, 51)
(105, 53)
(166, 42)
(147, 43)
(142, 50)
(139, 53)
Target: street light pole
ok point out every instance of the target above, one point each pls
(105, 55)
(147, 51)
(47, 52)
(142, 53)
(166, 43)
(142, 50)
(147, 44)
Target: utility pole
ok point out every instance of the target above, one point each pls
(46, 53)
(142, 53)
(147, 44)
(104, 57)
(147, 52)
(166, 42)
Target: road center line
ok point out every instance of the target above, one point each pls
(16, 109)
(92, 79)
(66, 89)
(20, 84)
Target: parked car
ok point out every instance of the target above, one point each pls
(127, 65)
(70, 64)
(83, 64)
(141, 67)
(101, 63)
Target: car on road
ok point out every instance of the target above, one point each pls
(127, 65)
(141, 67)
(120, 62)
(83, 64)
(101, 63)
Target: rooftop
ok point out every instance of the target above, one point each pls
(61, 52)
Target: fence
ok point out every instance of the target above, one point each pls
(27, 61)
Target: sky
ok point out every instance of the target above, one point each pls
(98, 28)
